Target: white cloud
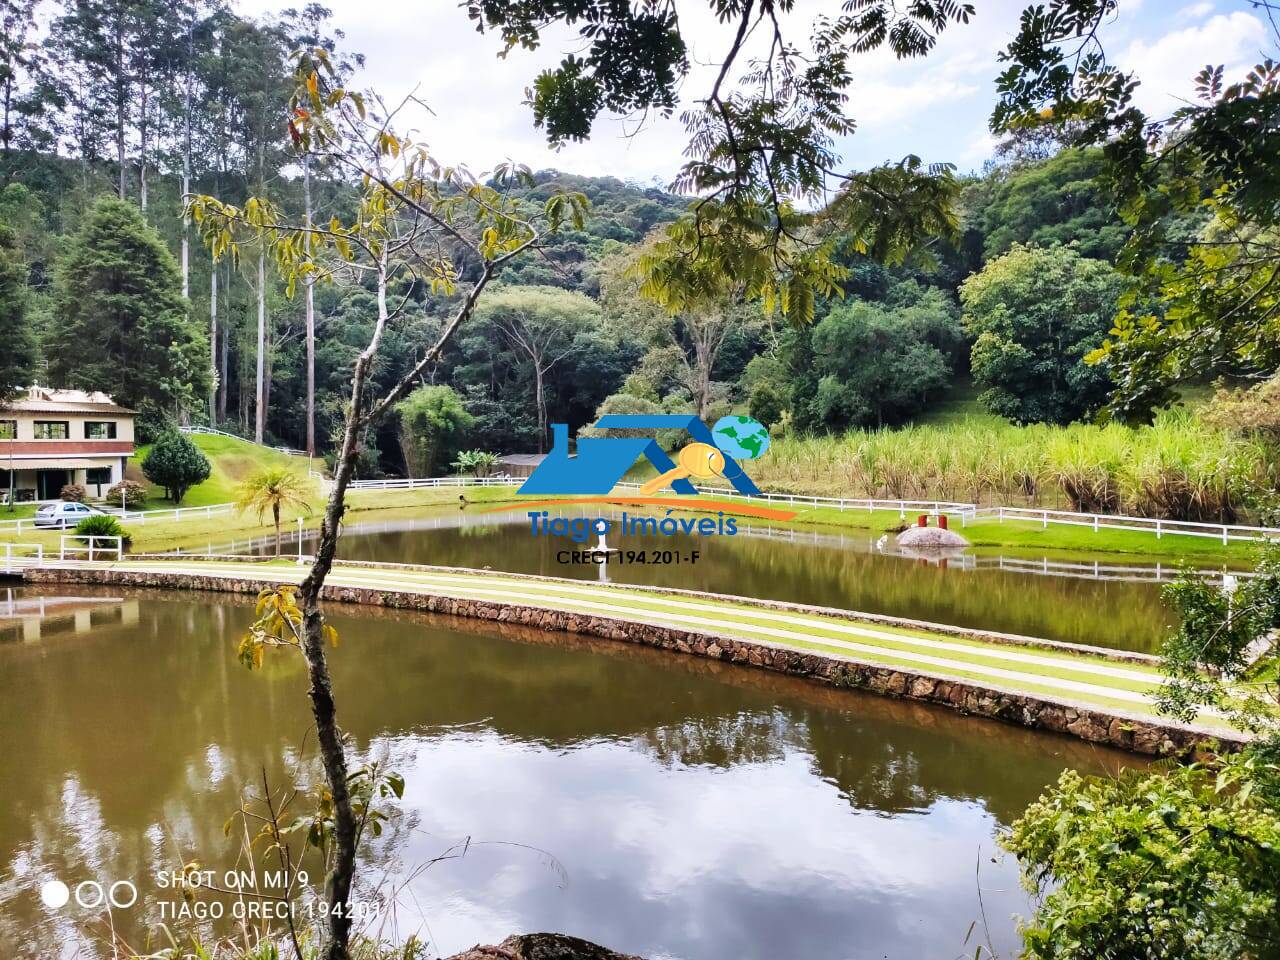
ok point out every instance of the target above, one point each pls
(936, 107)
(1167, 66)
(1197, 11)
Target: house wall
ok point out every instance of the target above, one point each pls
(75, 450)
(75, 421)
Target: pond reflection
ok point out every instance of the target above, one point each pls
(1113, 602)
(665, 805)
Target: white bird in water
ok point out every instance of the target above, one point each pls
(884, 538)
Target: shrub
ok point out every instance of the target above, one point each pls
(1256, 410)
(127, 493)
(73, 492)
(1178, 862)
(433, 422)
(478, 463)
(767, 403)
(102, 525)
(176, 464)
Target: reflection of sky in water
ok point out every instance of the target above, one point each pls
(757, 860)
(697, 809)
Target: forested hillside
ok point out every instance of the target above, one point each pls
(122, 296)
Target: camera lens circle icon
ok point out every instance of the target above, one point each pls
(55, 894)
(89, 894)
(128, 890)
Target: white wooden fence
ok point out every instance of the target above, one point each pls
(15, 556)
(422, 483)
(1185, 528)
(83, 547)
(224, 433)
(971, 511)
(134, 516)
(966, 512)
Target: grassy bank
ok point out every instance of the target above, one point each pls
(198, 531)
(231, 462)
(1177, 468)
(1174, 462)
(1011, 536)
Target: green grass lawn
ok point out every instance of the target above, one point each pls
(232, 462)
(1056, 538)
(960, 403)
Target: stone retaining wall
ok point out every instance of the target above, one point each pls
(813, 610)
(1114, 728)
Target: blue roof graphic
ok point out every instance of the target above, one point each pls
(603, 461)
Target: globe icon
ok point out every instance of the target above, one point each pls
(741, 437)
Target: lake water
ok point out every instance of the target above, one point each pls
(664, 805)
(1072, 600)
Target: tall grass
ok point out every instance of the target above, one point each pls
(1177, 468)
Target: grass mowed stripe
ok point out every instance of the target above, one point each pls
(1082, 662)
(742, 619)
(989, 664)
(1086, 693)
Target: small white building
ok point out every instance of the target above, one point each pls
(49, 438)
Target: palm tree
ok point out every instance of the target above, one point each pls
(275, 489)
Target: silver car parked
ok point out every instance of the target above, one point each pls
(63, 514)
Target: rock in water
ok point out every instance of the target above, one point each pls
(930, 537)
(543, 946)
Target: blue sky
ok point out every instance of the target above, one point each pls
(936, 107)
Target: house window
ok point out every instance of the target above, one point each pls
(8, 429)
(52, 429)
(98, 475)
(99, 430)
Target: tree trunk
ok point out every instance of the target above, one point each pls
(214, 385)
(328, 735)
(142, 147)
(6, 132)
(260, 409)
(540, 398)
(275, 515)
(225, 361)
(704, 361)
(260, 406)
(186, 184)
(311, 321)
(121, 97)
(186, 242)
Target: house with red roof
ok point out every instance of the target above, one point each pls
(50, 438)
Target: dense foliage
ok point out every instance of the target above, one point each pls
(176, 464)
(17, 360)
(433, 423)
(1179, 862)
(1233, 633)
(123, 326)
(1202, 301)
(1176, 468)
(879, 364)
(1057, 201)
(1033, 315)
